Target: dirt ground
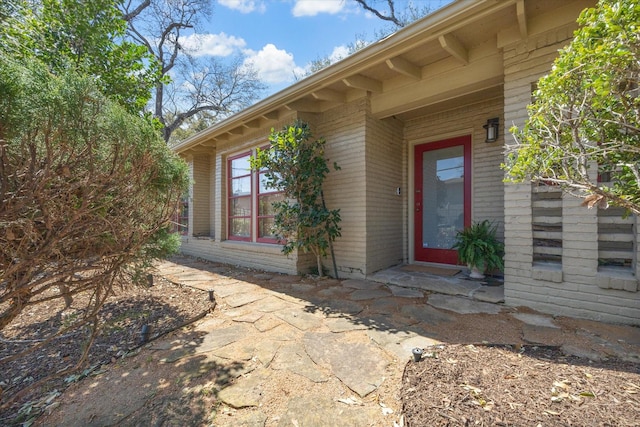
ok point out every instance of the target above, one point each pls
(456, 384)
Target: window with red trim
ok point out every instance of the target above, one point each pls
(251, 212)
(266, 212)
(240, 197)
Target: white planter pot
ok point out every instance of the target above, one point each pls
(476, 273)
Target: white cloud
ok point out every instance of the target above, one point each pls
(212, 44)
(339, 52)
(314, 7)
(273, 65)
(244, 6)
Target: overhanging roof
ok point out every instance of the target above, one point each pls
(453, 52)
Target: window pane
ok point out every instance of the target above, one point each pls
(265, 205)
(241, 186)
(265, 228)
(240, 227)
(443, 196)
(240, 206)
(264, 187)
(240, 166)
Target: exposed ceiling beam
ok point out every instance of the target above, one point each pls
(271, 115)
(402, 66)
(328, 95)
(454, 47)
(359, 81)
(522, 18)
(237, 131)
(253, 124)
(446, 83)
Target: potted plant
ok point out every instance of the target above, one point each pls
(479, 248)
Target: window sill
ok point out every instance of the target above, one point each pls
(617, 279)
(252, 247)
(548, 272)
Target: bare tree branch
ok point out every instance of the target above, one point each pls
(391, 17)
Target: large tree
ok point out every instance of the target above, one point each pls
(193, 87)
(583, 130)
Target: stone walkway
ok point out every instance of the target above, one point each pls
(355, 334)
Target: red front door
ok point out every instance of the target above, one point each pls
(442, 197)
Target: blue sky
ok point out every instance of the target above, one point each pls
(281, 37)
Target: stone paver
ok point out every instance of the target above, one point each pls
(462, 305)
(238, 300)
(251, 317)
(344, 324)
(234, 287)
(221, 337)
(266, 323)
(300, 319)
(492, 294)
(360, 284)
(271, 304)
(364, 294)
(425, 314)
(247, 391)
(535, 319)
(293, 358)
(361, 367)
(400, 291)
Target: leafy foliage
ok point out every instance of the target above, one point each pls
(87, 188)
(295, 164)
(478, 246)
(585, 121)
(83, 36)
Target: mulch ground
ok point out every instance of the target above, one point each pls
(466, 385)
(162, 307)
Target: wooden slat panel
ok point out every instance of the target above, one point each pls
(553, 235)
(615, 220)
(546, 189)
(547, 220)
(615, 254)
(616, 237)
(547, 203)
(547, 250)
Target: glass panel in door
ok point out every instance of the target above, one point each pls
(441, 199)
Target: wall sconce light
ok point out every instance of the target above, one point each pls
(492, 127)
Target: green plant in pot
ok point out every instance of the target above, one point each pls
(479, 248)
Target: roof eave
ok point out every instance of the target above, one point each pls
(436, 23)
